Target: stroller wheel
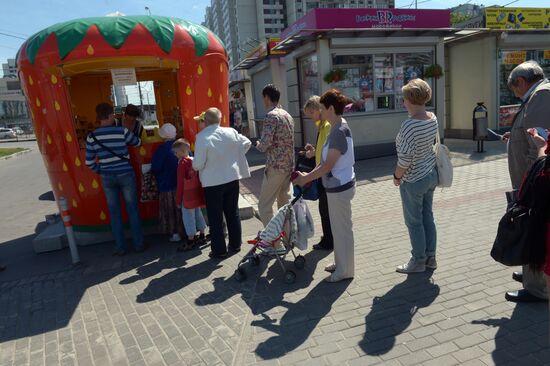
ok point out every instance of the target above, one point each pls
(300, 262)
(290, 277)
(255, 260)
(240, 274)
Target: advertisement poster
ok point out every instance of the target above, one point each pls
(513, 57)
(517, 18)
(506, 114)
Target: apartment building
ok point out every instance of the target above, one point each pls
(243, 24)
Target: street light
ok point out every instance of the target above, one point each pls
(148, 10)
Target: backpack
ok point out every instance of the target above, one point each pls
(521, 235)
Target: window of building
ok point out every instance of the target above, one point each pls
(374, 81)
(507, 60)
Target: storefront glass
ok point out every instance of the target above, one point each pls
(374, 81)
(508, 59)
(309, 77)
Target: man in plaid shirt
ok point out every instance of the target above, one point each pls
(277, 142)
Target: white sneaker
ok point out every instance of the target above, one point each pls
(175, 238)
(412, 266)
(431, 262)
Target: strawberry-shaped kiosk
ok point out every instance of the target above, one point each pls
(66, 70)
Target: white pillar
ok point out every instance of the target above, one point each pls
(250, 108)
(323, 62)
(278, 76)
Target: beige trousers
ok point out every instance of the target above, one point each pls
(275, 186)
(535, 282)
(342, 231)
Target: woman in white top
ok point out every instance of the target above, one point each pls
(338, 177)
(416, 175)
(221, 162)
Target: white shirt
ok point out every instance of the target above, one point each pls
(220, 155)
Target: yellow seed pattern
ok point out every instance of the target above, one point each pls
(221, 68)
(57, 106)
(68, 137)
(31, 81)
(77, 161)
(53, 79)
(81, 188)
(49, 139)
(142, 151)
(90, 50)
(221, 99)
(60, 186)
(75, 205)
(65, 167)
(199, 70)
(102, 216)
(38, 104)
(188, 91)
(94, 184)
(209, 93)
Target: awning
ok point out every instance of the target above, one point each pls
(306, 35)
(249, 62)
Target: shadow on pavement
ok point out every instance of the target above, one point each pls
(268, 293)
(514, 340)
(40, 293)
(46, 196)
(392, 313)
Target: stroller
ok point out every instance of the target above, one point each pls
(274, 242)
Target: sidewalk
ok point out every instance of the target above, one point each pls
(167, 308)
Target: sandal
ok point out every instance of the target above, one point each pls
(330, 268)
(186, 247)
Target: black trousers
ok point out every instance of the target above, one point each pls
(223, 200)
(327, 240)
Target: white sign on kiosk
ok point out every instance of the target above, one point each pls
(123, 77)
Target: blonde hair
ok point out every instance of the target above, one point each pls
(313, 103)
(417, 92)
(180, 144)
(212, 116)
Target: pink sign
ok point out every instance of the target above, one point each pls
(369, 18)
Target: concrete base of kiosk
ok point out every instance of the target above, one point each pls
(53, 236)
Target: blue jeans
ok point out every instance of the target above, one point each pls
(417, 199)
(113, 186)
(193, 220)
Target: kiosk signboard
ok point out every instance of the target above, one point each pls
(517, 18)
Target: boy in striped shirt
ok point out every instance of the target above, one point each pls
(107, 155)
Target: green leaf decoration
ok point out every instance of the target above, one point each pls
(115, 30)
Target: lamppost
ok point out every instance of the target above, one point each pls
(148, 10)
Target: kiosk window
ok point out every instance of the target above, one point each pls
(374, 81)
(507, 60)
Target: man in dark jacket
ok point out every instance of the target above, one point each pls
(528, 83)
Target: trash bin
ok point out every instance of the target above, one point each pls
(480, 125)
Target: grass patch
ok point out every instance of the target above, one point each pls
(10, 151)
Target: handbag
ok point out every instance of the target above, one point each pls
(443, 163)
(522, 231)
(149, 186)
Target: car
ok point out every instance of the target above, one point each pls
(7, 133)
(18, 130)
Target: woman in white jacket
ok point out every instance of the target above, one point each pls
(221, 162)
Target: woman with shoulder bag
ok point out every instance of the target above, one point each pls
(416, 175)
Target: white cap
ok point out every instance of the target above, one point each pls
(167, 131)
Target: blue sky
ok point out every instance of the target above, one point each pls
(26, 17)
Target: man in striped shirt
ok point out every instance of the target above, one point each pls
(107, 155)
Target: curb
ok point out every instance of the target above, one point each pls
(26, 151)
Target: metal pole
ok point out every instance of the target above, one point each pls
(69, 229)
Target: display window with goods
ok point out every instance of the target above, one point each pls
(373, 81)
(507, 61)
